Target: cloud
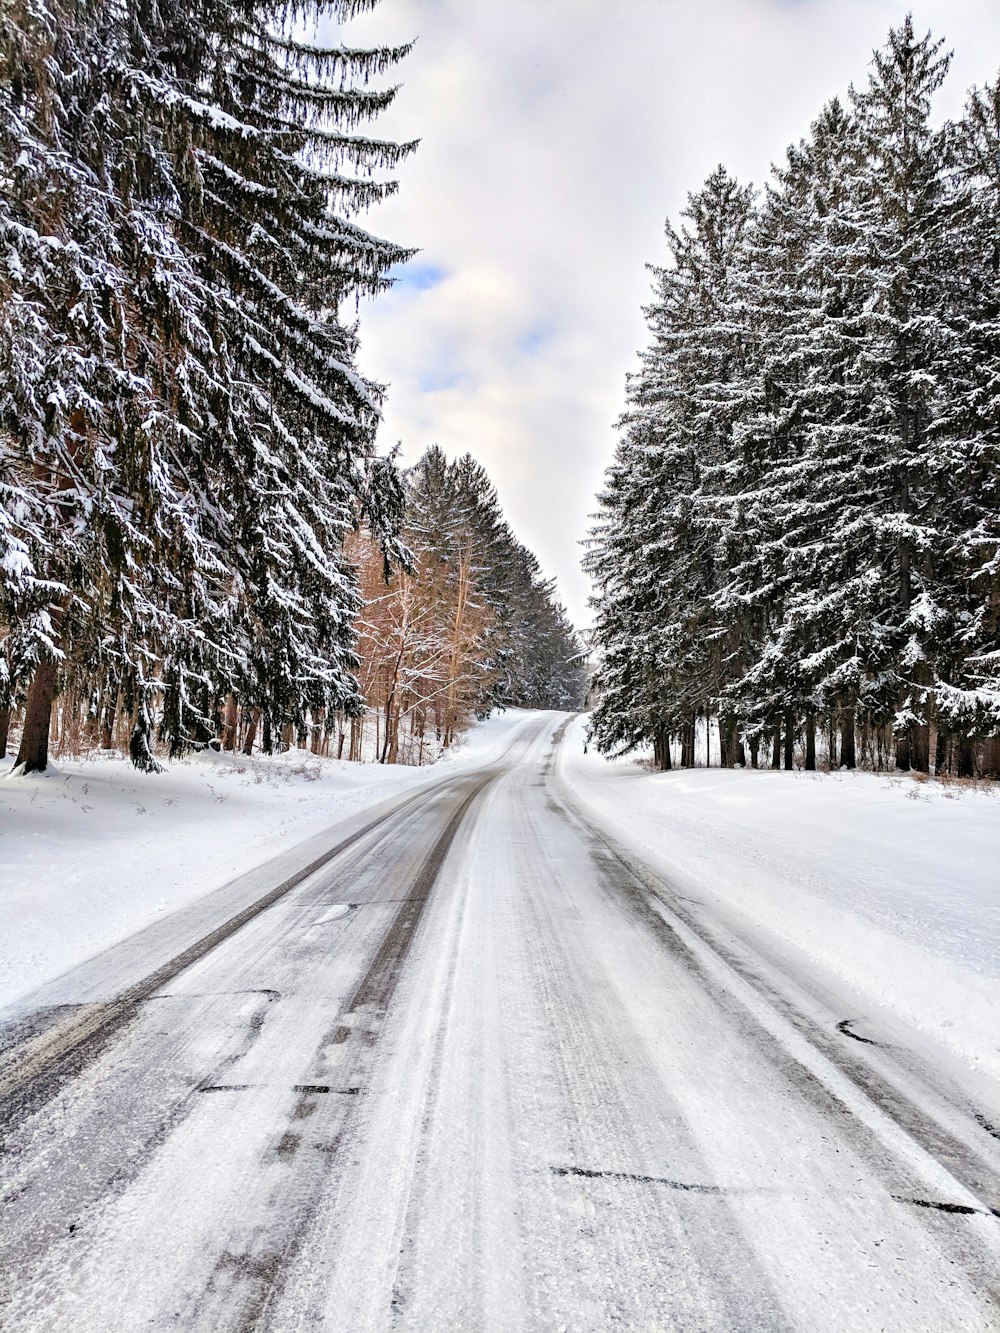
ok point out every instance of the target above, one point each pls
(556, 136)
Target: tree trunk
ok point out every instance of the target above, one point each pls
(789, 742)
(230, 722)
(903, 751)
(966, 758)
(251, 732)
(848, 756)
(991, 758)
(754, 749)
(657, 750)
(920, 749)
(4, 731)
(388, 720)
(108, 722)
(394, 744)
(727, 743)
(810, 743)
(33, 753)
(687, 745)
(776, 749)
(661, 750)
(357, 725)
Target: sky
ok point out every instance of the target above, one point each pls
(556, 138)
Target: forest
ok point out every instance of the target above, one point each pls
(798, 541)
(199, 541)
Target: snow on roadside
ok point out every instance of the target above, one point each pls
(92, 850)
(889, 884)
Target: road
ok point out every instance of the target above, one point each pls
(479, 1070)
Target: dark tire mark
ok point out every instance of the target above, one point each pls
(271, 995)
(557, 737)
(641, 888)
(962, 1209)
(312, 1089)
(689, 1187)
(245, 1287)
(41, 1055)
(377, 985)
(844, 1027)
(692, 1188)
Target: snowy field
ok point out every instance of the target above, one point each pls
(887, 884)
(91, 851)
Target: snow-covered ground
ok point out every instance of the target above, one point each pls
(473, 1073)
(92, 851)
(886, 883)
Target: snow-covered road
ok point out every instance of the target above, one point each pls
(483, 1070)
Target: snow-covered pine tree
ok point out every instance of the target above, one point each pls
(663, 651)
(272, 171)
(799, 435)
(548, 668)
(92, 489)
(887, 550)
(185, 449)
(854, 524)
(800, 521)
(966, 702)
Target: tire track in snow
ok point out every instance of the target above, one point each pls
(248, 1280)
(35, 1064)
(885, 1123)
(163, 1102)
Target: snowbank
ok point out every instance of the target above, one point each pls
(92, 851)
(889, 884)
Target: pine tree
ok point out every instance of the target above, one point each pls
(800, 437)
(654, 550)
(799, 527)
(904, 205)
(178, 509)
(967, 701)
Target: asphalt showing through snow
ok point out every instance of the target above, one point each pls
(475, 1068)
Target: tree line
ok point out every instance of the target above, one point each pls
(799, 535)
(469, 625)
(185, 440)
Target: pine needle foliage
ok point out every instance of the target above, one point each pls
(799, 528)
(185, 439)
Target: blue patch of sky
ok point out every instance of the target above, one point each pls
(417, 276)
(437, 379)
(535, 338)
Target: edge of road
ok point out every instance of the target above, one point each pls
(888, 1088)
(47, 1034)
